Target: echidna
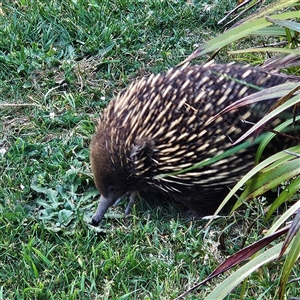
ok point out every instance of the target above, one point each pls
(158, 126)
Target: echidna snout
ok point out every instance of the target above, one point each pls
(159, 126)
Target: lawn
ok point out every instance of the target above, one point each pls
(61, 62)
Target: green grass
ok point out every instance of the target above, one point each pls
(60, 64)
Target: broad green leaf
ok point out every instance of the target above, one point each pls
(286, 194)
(50, 193)
(282, 159)
(256, 169)
(285, 23)
(64, 216)
(264, 181)
(284, 217)
(270, 31)
(11, 217)
(270, 135)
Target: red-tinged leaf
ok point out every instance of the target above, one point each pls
(291, 258)
(247, 252)
(238, 257)
(281, 61)
(241, 3)
(291, 102)
(295, 227)
(267, 94)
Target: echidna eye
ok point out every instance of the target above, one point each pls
(111, 189)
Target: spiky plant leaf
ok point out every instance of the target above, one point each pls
(250, 26)
(238, 257)
(278, 158)
(223, 289)
(251, 173)
(285, 165)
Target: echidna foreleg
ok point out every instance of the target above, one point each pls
(105, 203)
(117, 202)
(131, 201)
(120, 199)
